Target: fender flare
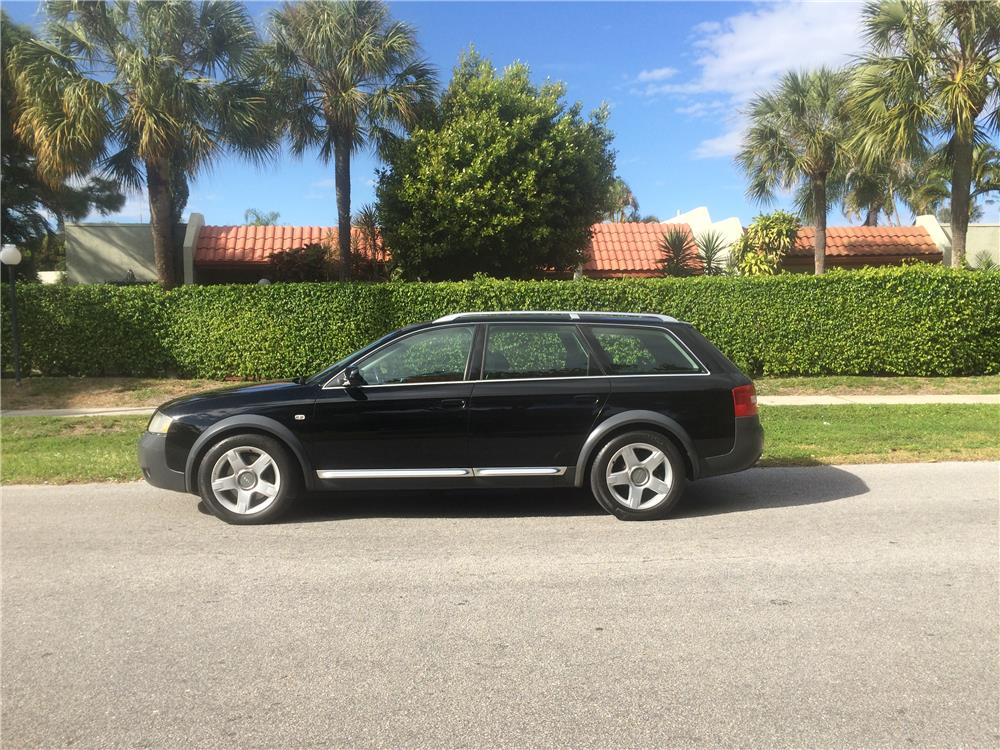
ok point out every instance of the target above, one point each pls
(257, 423)
(635, 416)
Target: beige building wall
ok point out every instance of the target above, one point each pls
(99, 253)
(981, 238)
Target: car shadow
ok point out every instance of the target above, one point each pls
(756, 489)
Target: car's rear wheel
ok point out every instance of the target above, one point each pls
(247, 479)
(638, 476)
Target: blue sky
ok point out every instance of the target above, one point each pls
(675, 75)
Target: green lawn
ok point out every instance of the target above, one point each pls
(99, 449)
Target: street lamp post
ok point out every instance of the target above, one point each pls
(10, 256)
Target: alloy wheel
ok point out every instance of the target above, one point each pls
(639, 476)
(246, 480)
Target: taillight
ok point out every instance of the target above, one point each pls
(745, 400)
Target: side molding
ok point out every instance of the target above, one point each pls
(635, 416)
(258, 423)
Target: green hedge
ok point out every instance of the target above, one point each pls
(899, 321)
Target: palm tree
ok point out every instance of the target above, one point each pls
(353, 78)
(797, 136)
(257, 218)
(932, 71)
(680, 254)
(930, 190)
(622, 203)
(151, 91)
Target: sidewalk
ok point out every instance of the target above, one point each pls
(814, 400)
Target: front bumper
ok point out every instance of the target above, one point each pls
(153, 462)
(747, 447)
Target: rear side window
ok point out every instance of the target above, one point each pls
(643, 351)
(535, 351)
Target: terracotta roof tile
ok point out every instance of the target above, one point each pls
(626, 249)
(868, 241)
(255, 244)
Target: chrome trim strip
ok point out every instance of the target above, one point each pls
(502, 471)
(525, 380)
(573, 314)
(521, 471)
(392, 473)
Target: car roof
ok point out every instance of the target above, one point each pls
(589, 316)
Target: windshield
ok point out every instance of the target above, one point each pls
(323, 375)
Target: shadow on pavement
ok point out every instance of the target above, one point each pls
(750, 490)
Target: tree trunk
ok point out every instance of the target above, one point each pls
(342, 178)
(819, 205)
(871, 217)
(162, 220)
(961, 184)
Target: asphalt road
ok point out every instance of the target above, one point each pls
(835, 607)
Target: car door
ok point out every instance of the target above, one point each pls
(539, 393)
(410, 416)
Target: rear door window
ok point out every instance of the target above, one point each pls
(535, 351)
(643, 351)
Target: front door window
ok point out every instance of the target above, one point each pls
(438, 355)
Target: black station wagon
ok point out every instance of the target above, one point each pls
(631, 405)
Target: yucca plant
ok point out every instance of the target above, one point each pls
(712, 248)
(680, 253)
(352, 77)
(151, 92)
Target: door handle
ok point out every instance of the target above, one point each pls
(590, 398)
(452, 403)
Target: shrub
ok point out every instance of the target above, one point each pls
(759, 250)
(919, 320)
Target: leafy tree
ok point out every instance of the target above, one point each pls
(712, 246)
(765, 242)
(30, 204)
(798, 135)
(680, 253)
(151, 91)
(622, 203)
(353, 78)
(932, 72)
(506, 179)
(256, 218)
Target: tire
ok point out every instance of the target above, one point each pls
(255, 478)
(638, 476)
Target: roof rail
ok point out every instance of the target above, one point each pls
(562, 314)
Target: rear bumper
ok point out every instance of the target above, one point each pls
(747, 447)
(153, 462)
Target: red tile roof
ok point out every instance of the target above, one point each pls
(626, 249)
(868, 241)
(254, 244)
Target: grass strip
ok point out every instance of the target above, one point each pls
(37, 450)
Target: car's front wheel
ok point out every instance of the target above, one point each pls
(638, 476)
(247, 479)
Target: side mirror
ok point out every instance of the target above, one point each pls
(352, 376)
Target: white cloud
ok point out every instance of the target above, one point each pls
(327, 184)
(656, 74)
(748, 52)
(727, 144)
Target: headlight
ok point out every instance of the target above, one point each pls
(159, 422)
